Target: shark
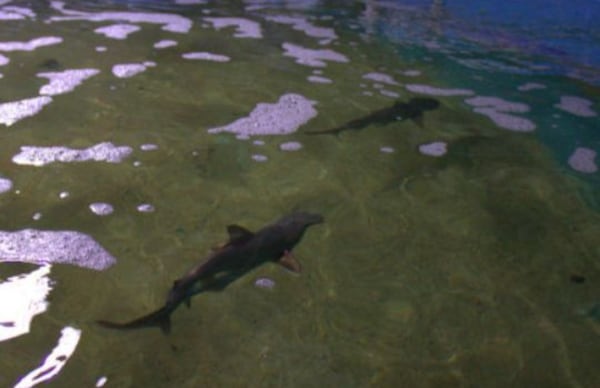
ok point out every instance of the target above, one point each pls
(243, 252)
(411, 110)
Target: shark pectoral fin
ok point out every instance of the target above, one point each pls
(289, 262)
(238, 234)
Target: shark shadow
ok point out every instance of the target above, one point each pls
(411, 110)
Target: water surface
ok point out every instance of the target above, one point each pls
(460, 243)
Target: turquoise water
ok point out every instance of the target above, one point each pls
(452, 151)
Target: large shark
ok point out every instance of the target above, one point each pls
(243, 252)
(411, 110)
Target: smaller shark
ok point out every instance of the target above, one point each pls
(411, 110)
(243, 252)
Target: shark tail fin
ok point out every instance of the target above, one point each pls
(160, 318)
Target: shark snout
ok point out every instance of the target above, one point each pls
(310, 218)
(301, 219)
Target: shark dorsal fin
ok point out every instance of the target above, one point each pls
(238, 234)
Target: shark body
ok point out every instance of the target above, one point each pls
(243, 252)
(411, 110)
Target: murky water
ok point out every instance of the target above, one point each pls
(457, 174)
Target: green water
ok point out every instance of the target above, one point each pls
(454, 271)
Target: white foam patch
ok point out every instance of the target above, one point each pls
(259, 158)
(9, 15)
(170, 22)
(60, 6)
(290, 146)
(244, 28)
(583, 160)
(301, 24)
(55, 361)
(101, 49)
(310, 57)
(11, 12)
(494, 66)
(206, 56)
(101, 381)
(190, 2)
(53, 247)
(387, 150)
(507, 121)
(165, 43)
(11, 112)
(497, 104)
(117, 31)
(254, 7)
(5, 185)
(126, 70)
(149, 147)
(65, 81)
(23, 297)
(101, 152)
(281, 118)
(145, 208)
(318, 79)
(577, 106)
(411, 73)
(433, 91)
(4, 60)
(21, 10)
(496, 109)
(530, 86)
(5, 15)
(30, 45)
(389, 93)
(381, 77)
(436, 148)
(101, 208)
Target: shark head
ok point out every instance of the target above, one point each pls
(295, 224)
(424, 103)
(301, 219)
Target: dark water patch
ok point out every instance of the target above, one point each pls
(51, 64)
